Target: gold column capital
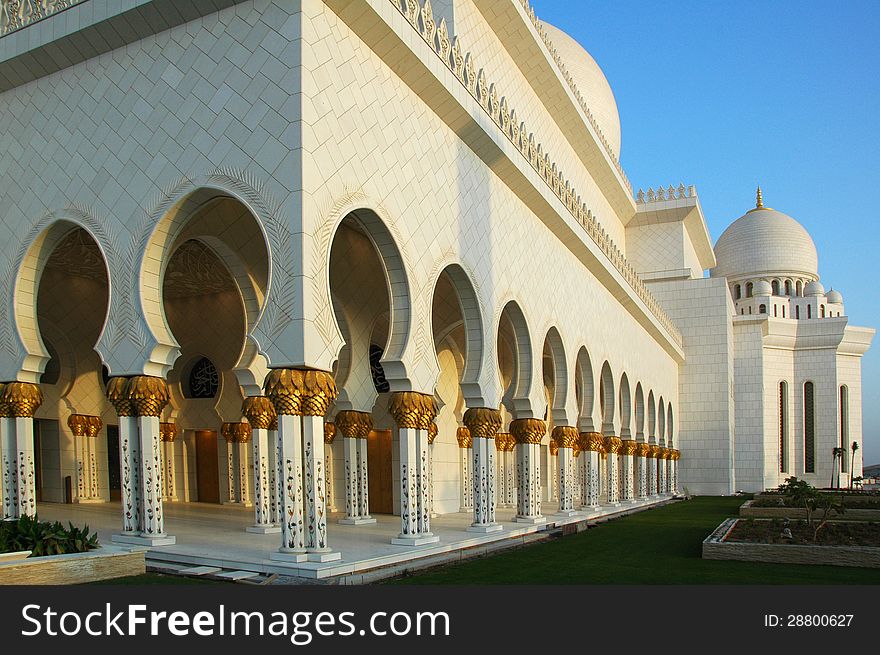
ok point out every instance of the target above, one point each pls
(433, 430)
(592, 441)
(21, 398)
(411, 409)
(482, 421)
(83, 425)
(501, 439)
(300, 392)
(5, 410)
(117, 394)
(274, 424)
(644, 449)
(354, 425)
(259, 411)
(463, 436)
(528, 430)
(613, 445)
(329, 432)
(168, 431)
(629, 447)
(554, 448)
(236, 432)
(654, 451)
(565, 436)
(148, 395)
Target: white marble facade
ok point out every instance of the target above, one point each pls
(374, 189)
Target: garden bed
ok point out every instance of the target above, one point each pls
(74, 568)
(842, 544)
(770, 509)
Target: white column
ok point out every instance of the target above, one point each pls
(244, 492)
(7, 461)
(661, 476)
(264, 495)
(565, 460)
(231, 486)
(290, 476)
(554, 475)
(352, 470)
(330, 472)
(591, 479)
(643, 474)
(79, 447)
(424, 482)
(613, 473)
(129, 475)
(431, 511)
(93, 470)
(274, 448)
(626, 466)
(317, 545)
(466, 478)
(26, 473)
(528, 508)
(510, 468)
(500, 471)
(152, 517)
(674, 469)
(414, 516)
(363, 480)
(484, 486)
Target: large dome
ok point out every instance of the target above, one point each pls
(591, 82)
(765, 242)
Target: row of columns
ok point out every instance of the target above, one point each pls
(18, 402)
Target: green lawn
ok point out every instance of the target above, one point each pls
(658, 546)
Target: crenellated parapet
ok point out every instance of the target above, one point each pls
(663, 194)
(486, 93)
(17, 14)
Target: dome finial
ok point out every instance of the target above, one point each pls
(760, 201)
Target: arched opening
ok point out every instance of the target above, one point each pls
(788, 287)
(640, 412)
(607, 400)
(555, 374)
(821, 311)
(797, 312)
(809, 311)
(783, 427)
(737, 292)
(670, 437)
(661, 422)
(799, 287)
(749, 288)
(844, 426)
(809, 429)
(457, 332)
(71, 303)
(652, 418)
(625, 401)
(762, 308)
(514, 358)
(774, 286)
(585, 390)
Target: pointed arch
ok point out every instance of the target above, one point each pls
(640, 412)
(625, 400)
(512, 323)
(652, 418)
(554, 353)
(607, 398)
(586, 390)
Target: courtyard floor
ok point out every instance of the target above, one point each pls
(215, 536)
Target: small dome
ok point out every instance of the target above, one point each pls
(814, 288)
(762, 288)
(834, 297)
(765, 242)
(591, 82)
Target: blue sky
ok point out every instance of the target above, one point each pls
(725, 95)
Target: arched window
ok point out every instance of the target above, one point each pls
(203, 380)
(749, 287)
(750, 309)
(844, 425)
(800, 288)
(809, 311)
(737, 291)
(783, 311)
(775, 310)
(783, 427)
(742, 310)
(788, 287)
(821, 311)
(809, 429)
(797, 312)
(377, 371)
(775, 287)
(762, 309)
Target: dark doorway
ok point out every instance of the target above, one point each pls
(207, 473)
(379, 465)
(113, 473)
(38, 461)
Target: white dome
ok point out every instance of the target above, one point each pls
(762, 288)
(591, 82)
(814, 288)
(834, 297)
(765, 242)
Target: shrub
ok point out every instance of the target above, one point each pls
(44, 538)
(805, 495)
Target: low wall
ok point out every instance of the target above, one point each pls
(76, 568)
(716, 547)
(748, 510)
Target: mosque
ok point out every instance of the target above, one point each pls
(335, 275)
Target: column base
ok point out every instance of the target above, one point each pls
(590, 508)
(280, 556)
(484, 529)
(415, 541)
(531, 520)
(466, 510)
(363, 520)
(143, 540)
(566, 513)
(89, 501)
(263, 529)
(324, 556)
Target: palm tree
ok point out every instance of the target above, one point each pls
(834, 454)
(854, 447)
